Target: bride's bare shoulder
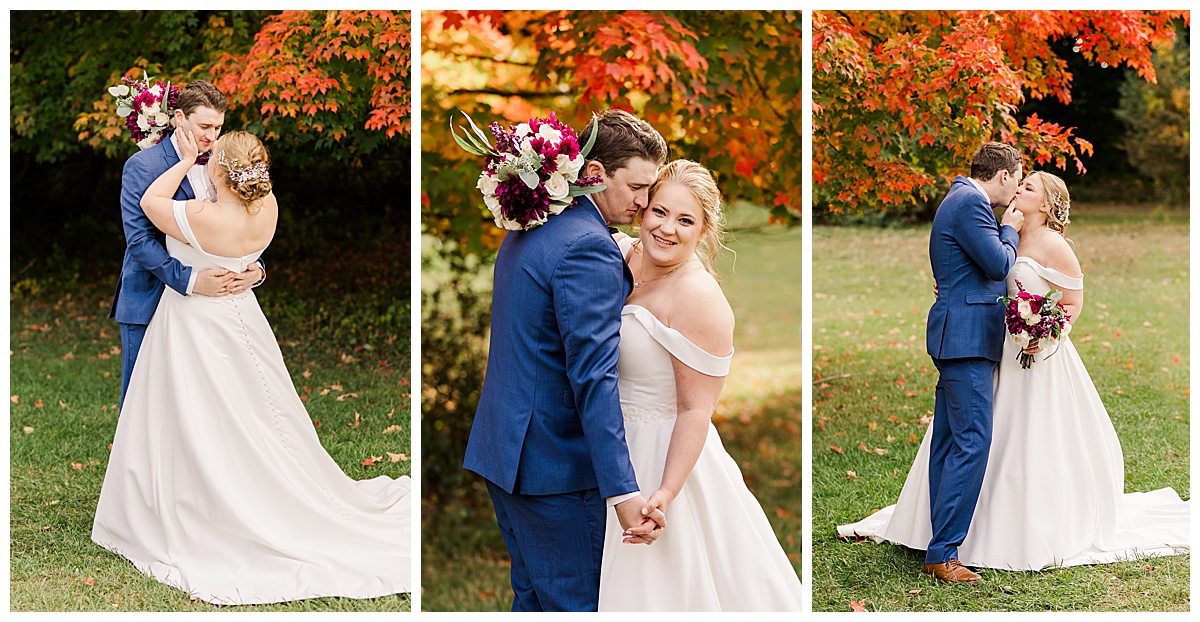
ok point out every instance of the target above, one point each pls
(1060, 256)
(704, 315)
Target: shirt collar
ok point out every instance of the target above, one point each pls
(970, 179)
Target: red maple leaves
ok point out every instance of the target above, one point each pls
(902, 99)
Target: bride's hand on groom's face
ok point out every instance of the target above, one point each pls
(189, 150)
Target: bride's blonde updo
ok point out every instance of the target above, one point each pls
(699, 181)
(1058, 201)
(244, 166)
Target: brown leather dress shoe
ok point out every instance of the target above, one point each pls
(951, 571)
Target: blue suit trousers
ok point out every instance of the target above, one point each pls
(958, 454)
(555, 542)
(131, 342)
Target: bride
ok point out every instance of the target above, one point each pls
(217, 483)
(719, 553)
(1052, 493)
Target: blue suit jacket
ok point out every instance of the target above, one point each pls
(549, 418)
(147, 266)
(971, 255)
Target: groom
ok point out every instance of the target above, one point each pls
(147, 268)
(548, 435)
(971, 255)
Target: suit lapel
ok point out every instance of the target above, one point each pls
(172, 158)
(586, 204)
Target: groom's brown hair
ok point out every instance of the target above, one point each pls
(200, 93)
(993, 158)
(621, 136)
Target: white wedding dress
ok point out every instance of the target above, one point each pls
(217, 483)
(1052, 493)
(718, 551)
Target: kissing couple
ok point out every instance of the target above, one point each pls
(608, 353)
(1021, 468)
(217, 483)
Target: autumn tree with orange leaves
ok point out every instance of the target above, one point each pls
(901, 100)
(723, 87)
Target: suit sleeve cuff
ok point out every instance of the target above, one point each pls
(613, 501)
(191, 283)
(261, 266)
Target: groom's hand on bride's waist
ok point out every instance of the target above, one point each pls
(213, 282)
(643, 523)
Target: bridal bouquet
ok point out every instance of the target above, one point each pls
(1029, 317)
(146, 107)
(532, 172)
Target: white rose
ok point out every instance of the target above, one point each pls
(156, 89)
(523, 130)
(119, 90)
(148, 141)
(487, 185)
(151, 109)
(160, 119)
(569, 167)
(1024, 309)
(143, 123)
(1034, 319)
(557, 208)
(493, 204)
(557, 187)
(1021, 339)
(527, 147)
(550, 134)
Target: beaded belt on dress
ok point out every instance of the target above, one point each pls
(638, 413)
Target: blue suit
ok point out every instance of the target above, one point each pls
(971, 255)
(147, 267)
(548, 434)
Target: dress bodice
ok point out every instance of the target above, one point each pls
(647, 374)
(1038, 279)
(192, 255)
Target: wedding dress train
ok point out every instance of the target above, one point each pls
(217, 483)
(1053, 493)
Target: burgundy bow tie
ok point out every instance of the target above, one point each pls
(202, 159)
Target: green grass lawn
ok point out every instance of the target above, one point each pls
(873, 382)
(465, 565)
(65, 384)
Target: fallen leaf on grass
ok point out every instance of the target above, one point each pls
(68, 356)
(45, 527)
(914, 592)
(77, 466)
(404, 382)
(324, 392)
(371, 461)
(851, 475)
(337, 386)
(345, 396)
(397, 457)
(16, 399)
(357, 421)
(837, 449)
(89, 581)
(784, 513)
(1149, 567)
(62, 404)
(392, 428)
(307, 374)
(27, 430)
(38, 404)
(856, 605)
